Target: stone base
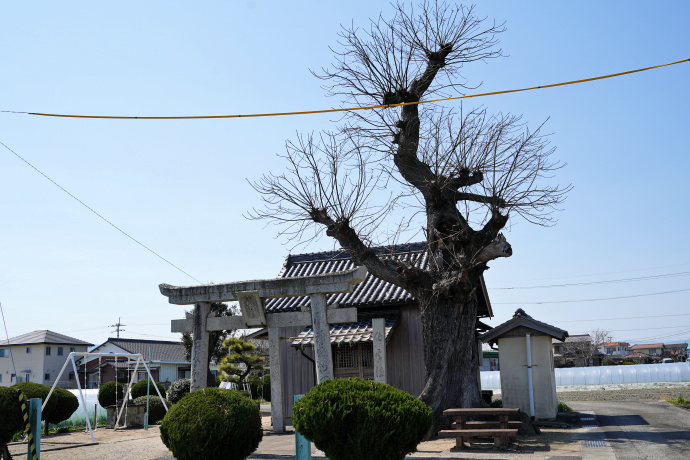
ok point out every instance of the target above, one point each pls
(132, 417)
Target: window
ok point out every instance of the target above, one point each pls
(13, 378)
(184, 373)
(47, 351)
(28, 377)
(72, 349)
(0, 378)
(60, 351)
(4, 352)
(47, 376)
(354, 361)
(71, 376)
(28, 350)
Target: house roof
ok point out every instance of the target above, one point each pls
(676, 346)
(617, 344)
(574, 338)
(522, 319)
(161, 350)
(44, 336)
(372, 292)
(350, 333)
(643, 346)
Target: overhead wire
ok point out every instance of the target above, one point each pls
(99, 215)
(592, 300)
(9, 349)
(349, 109)
(588, 283)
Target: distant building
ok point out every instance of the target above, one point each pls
(651, 349)
(677, 351)
(168, 362)
(616, 349)
(38, 357)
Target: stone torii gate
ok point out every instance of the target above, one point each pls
(251, 296)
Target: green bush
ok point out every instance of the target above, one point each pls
(139, 389)
(67, 404)
(36, 390)
(156, 407)
(496, 403)
(563, 407)
(212, 423)
(11, 419)
(107, 395)
(355, 419)
(178, 389)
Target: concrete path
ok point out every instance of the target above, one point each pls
(634, 430)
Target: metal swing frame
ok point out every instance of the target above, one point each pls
(70, 358)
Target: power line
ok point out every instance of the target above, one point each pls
(349, 109)
(619, 319)
(588, 283)
(591, 300)
(9, 349)
(100, 216)
(601, 274)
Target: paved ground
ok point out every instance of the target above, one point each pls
(639, 429)
(605, 430)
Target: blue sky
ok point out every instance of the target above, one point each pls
(181, 188)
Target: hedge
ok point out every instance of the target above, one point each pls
(156, 408)
(106, 394)
(139, 389)
(212, 423)
(11, 419)
(355, 419)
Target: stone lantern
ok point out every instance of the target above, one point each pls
(525, 352)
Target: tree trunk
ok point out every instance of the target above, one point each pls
(451, 357)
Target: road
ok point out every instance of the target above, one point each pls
(639, 429)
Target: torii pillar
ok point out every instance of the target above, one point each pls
(251, 296)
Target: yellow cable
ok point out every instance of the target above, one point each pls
(348, 109)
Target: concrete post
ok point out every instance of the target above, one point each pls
(379, 335)
(200, 346)
(277, 416)
(322, 338)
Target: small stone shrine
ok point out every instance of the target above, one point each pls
(525, 352)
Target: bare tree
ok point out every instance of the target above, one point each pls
(456, 175)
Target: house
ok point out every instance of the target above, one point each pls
(352, 343)
(168, 362)
(576, 350)
(651, 349)
(616, 349)
(677, 351)
(38, 357)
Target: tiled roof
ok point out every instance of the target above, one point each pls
(522, 320)
(372, 292)
(160, 350)
(44, 336)
(616, 344)
(575, 338)
(645, 346)
(350, 333)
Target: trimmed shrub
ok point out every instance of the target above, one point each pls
(267, 387)
(36, 390)
(496, 403)
(355, 419)
(178, 389)
(212, 423)
(563, 407)
(139, 389)
(156, 407)
(106, 394)
(67, 403)
(11, 419)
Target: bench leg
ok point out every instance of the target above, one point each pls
(500, 442)
(460, 442)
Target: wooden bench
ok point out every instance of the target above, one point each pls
(501, 430)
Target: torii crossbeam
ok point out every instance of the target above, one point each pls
(251, 296)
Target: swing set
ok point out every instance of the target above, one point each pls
(129, 356)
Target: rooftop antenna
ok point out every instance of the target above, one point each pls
(118, 327)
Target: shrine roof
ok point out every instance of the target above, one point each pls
(524, 321)
(345, 333)
(372, 292)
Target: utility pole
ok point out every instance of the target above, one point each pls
(118, 327)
